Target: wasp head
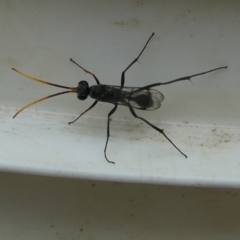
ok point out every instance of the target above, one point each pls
(82, 90)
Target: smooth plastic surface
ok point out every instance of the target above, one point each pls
(202, 118)
(44, 143)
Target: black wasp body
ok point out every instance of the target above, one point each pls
(141, 98)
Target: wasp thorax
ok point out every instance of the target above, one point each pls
(97, 92)
(82, 90)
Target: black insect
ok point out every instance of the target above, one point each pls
(142, 98)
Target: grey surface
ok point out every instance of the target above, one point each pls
(35, 207)
(39, 38)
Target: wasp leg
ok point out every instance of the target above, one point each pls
(84, 112)
(156, 128)
(135, 60)
(86, 71)
(178, 79)
(108, 131)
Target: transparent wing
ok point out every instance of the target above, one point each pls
(150, 99)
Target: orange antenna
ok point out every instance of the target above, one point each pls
(72, 89)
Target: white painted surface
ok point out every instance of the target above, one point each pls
(39, 37)
(44, 143)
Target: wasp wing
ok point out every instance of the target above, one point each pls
(147, 99)
(138, 98)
